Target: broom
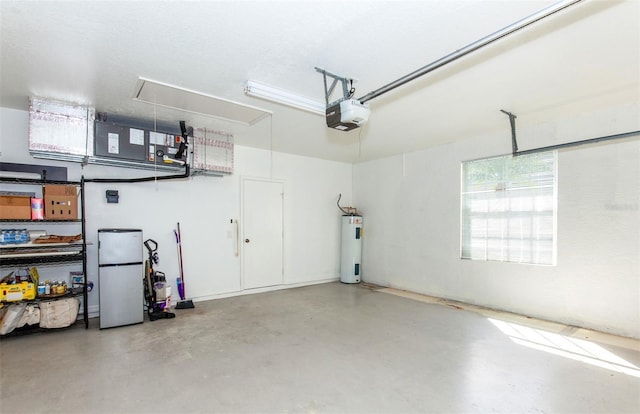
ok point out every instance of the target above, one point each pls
(182, 304)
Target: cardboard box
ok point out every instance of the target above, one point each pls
(17, 292)
(60, 202)
(15, 207)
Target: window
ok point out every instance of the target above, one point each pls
(509, 209)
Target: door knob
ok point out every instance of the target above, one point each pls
(246, 240)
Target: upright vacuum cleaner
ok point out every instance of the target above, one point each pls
(155, 286)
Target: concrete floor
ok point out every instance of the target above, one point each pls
(324, 348)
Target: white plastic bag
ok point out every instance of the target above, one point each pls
(31, 316)
(59, 313)
(11, 317)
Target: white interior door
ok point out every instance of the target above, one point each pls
(262, 233)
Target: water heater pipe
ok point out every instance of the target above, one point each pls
(472, 47)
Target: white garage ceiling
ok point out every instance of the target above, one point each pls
(580, 60)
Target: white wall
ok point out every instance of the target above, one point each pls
(204, 206)
(411, 206)
(412, 223)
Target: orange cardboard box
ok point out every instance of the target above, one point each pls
(15, 207)
(60, 202)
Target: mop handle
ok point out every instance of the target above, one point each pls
(179, 240)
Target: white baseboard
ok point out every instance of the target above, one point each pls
(264, 289)
(94, 311)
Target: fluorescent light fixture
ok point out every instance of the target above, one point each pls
(175, 97)
(260, 90)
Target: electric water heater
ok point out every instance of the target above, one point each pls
(351, 255)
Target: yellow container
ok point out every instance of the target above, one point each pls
(17, 292)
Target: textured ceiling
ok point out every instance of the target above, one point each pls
(89, 52)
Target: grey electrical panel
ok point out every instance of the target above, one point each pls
(135, 143)
(119, 141)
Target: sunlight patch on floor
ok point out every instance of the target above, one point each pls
(552, 337)
(566, 331)
(572, 348)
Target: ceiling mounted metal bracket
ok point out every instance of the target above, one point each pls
(516, 152)
(512, 121)
(328, 91)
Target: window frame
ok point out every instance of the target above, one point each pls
(533, 214)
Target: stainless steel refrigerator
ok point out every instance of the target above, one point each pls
(121, 271)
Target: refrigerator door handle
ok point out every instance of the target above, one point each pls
(120, 264)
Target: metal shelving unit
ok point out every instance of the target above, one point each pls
(49, 254)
